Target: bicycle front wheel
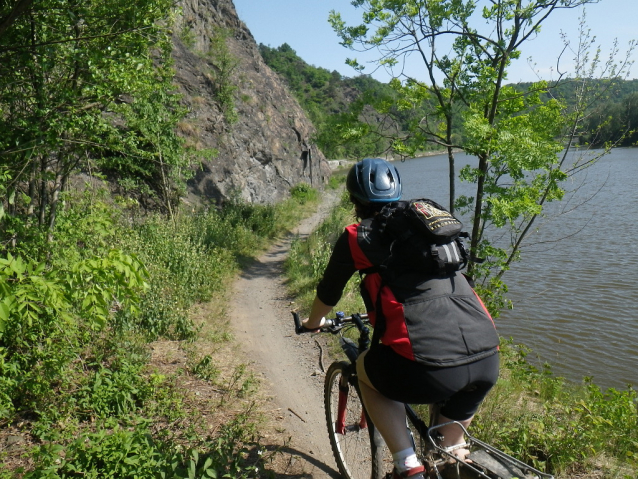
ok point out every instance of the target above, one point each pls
(356, 444)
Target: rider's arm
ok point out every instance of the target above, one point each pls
(339, 270)
(317, 313)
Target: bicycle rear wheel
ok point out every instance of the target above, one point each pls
(356, 444)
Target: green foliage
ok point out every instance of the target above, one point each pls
(307, 259)
(225, 64)
(303, 193)
(205, 369)
(345, 111)
(611, 119)
(62, 77)
(559, 427)
(336, 181)
(190, 270)
(462, 101)
(46, 315)
(114, 391)
(523, 171)
(76, 314)
(146, 151)
(194, 255)
(123, 453)
(187, 36)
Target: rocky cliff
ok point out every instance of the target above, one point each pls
(241, 112)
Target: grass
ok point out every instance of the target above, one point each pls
(157, 390)
(569, 430)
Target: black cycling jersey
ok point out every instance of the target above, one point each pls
(437, 321)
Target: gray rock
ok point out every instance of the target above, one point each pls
(269, 149)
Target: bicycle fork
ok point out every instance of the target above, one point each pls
(342, 407)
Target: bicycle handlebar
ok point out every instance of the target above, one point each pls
(331, 325)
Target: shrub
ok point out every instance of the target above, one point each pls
(303, 193)
(557, 426)
(47, 315)
(126, 453)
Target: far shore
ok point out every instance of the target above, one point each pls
(344, 163)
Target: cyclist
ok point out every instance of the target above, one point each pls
(439, 345)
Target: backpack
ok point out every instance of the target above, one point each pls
(423, 237)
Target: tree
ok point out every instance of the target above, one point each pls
(467, 47)
(9, 14)
(65, 66)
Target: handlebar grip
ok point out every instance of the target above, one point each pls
(298, 326)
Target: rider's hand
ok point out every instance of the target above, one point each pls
(314, 325)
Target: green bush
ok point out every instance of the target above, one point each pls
(77, 308)
(303, 193)
(184, 270)
(47, 315)
(123, 453)
(558, 426)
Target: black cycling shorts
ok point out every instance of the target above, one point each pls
(459, 389)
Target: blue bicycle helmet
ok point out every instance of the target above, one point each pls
(373, 180)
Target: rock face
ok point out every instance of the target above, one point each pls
(240, 109)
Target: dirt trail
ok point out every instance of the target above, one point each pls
(289, 365)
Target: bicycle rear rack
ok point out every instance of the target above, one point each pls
(487, 462)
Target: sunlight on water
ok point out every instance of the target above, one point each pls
(574, 291)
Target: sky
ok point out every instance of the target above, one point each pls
(303, 24)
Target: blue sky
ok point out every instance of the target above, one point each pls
(303, 24)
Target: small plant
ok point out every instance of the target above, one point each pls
(242, 383)
(303, 193)
(119, 452)
(205, 369)
(187, 36)
(336, 181)
(225, 64)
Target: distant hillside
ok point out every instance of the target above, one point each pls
(613, 113)
(333, 102)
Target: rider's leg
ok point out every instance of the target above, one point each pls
(389, 418)
(387, 415)
(453, 435)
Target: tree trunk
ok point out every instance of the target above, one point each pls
(32, 188)
(43, 191)
(452, 174)
(55, 197)
(478, 209)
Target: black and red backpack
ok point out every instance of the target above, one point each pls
(424, 236)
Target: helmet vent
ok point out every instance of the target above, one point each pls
(374, 180)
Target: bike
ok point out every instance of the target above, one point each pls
(359, 449)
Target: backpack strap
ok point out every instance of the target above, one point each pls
(379, 323)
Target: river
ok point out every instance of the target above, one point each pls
(573, 290)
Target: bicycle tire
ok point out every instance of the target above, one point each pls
(358, 448)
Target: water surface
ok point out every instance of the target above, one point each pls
(574, 291)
